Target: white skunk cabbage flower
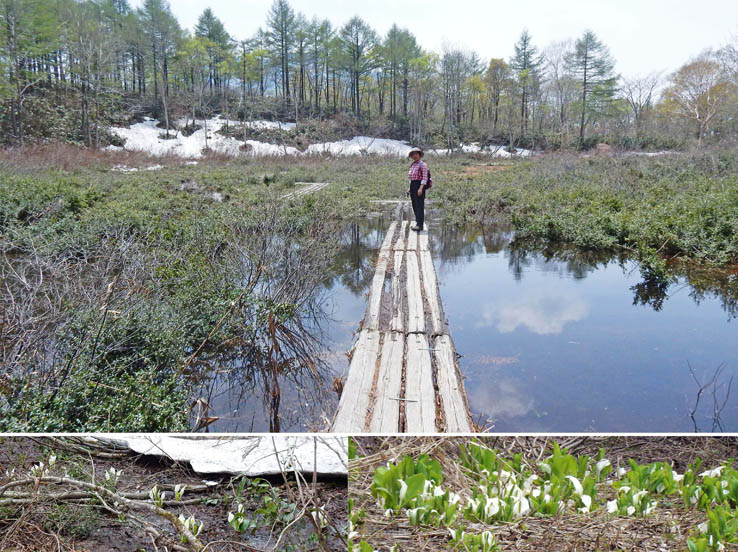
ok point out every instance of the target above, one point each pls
(438, 491)
(521, 507)
(403, 489)
(601, 465)
(612, 506)
(453, 498)
(577, 485)
(491, 507)
(630, 511)
(487, 539)
(676, 477)
(621, 472)
(587, 503)
(545, 467)
(713, 473)
(650, 507)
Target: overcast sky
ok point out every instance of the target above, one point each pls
(643, 35)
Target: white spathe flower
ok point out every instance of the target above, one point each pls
(388, 512)
(546, 498)
(623, 489)
(601, 465)
(453, 498)
(528, 483)
(352, 535)
(702, 527)
(638, 496)
(473, 503)
(587, 503)
(577, 485)
(535, 493)
(521, 507)
(612, 506)
(545, 467)
(661, 488)
(677, 477)
(621, 472)
(52, 460)
(231, 517)
(403, 489)
(438, 491)
(713, 473)
(630, 511)
(491, 507)
(650, 507)
(487, 539)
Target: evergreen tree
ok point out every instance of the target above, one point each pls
(593, 66)
(526, 65)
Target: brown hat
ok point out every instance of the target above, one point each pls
(415, 149)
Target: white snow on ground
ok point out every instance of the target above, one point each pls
(361, 145)
(251, 456)
(146, 137)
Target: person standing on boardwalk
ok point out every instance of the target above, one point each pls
(419, 177)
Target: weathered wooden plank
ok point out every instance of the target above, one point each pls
(397, 322)
(423, 240)
(450, 388)
(430, 286)
(400, 243)
(386, 414)
(415, 313)
(420, 402)
(354, 404)
(307, 189)
(412, 241)
(374, 301)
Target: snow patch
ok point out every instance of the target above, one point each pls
(149, 138)
(250, 456)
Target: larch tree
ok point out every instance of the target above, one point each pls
(281, 24)
(358, 40)
(526, 64)
(593, 65)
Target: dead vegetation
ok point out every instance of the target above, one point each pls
(71, 494)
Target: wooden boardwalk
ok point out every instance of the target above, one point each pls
(304, 189)
(403, 375)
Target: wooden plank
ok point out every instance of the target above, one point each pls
(386, 414)
(450, 388)
(397, 322)
(423, 241)
(430, 286)
(420, 400)
(412, 240)
(374, 301)
(400, 243)
(415, 312)
(354, 404)
(308, 188)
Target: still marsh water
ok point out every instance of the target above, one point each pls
(551, 340)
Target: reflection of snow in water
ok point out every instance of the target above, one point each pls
(540, 311)
(501, 399)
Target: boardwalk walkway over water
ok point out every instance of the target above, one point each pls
(403, 375)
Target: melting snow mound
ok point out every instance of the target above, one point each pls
(148, 137)
(250, 456)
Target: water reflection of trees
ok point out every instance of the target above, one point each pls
(458, 245)
(359, 243)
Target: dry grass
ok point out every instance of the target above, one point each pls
(665, 530)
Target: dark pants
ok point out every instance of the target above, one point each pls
(418, 202)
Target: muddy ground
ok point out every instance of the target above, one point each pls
(68, 525)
